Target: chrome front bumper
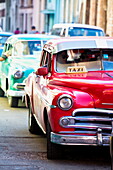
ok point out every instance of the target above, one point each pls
(65, 139)
(90, 127)
(15, 93)
(19, 92)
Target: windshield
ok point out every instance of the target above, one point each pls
(75, 31)
(28, 47)
(83, 60)
(56, 31)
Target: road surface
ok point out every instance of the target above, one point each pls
(20, 150)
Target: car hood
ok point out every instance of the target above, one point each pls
(99, 85)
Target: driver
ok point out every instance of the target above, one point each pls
(5, 55)
(62, 57)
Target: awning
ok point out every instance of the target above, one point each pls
(48, 11)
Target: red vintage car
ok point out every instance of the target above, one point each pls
(70, 96)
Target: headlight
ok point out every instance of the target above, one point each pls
(65, 102)
(18, 74)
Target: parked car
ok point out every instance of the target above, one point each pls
(3, 37)
(71, 29)
(70, 96)
(24, 53)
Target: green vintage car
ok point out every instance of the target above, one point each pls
(24, 51)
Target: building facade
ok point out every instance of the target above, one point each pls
(101, 14)
(24, 14)
(44, 13)
(2, 15)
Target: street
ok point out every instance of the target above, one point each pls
(23, 151)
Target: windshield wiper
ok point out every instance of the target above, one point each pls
(108, 75)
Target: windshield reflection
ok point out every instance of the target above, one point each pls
(28, 47)
(74, 31)
(84, 60)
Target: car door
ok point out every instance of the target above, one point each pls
(5, 65)
(39, 86)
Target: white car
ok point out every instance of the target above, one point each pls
(71, 29)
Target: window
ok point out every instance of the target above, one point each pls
(22, 3)
(8, 50)
(44, 53)
(56, 31)
(76, 31)
(30, 3)
(84, 59)
(27, 48)
(46, 60)
(64, 32)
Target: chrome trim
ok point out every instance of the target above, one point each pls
(15, 93)
(19, 86)
(91, 110)
(89, 122)
(99, 136)
(64, 139)
(63, 96)
(112, 126)
(83, 126)
(15, 72)
(91, 126)
(110, 104)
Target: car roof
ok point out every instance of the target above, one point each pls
(66, 25)
(25, 37)
(6, 33)
(57, 45)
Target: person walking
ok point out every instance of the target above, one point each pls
(33, 30)
(17, 31)
(25, 32)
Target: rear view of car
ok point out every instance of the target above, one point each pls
(76, 30)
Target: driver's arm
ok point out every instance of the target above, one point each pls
(5, 55)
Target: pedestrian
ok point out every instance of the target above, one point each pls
(17, 31)
(25, 32)
(33, 30)
(37, 32)
(43, 32)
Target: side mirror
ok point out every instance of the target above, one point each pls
(42, 71)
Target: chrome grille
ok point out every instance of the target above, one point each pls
(88, 121)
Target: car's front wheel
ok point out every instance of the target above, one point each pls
(13, 101)
(32, 124)
(53, 150)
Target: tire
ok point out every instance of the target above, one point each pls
(53, 150)
(13, 101)
(1, 93)
(32, 124)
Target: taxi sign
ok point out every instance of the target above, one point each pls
(76, 69)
